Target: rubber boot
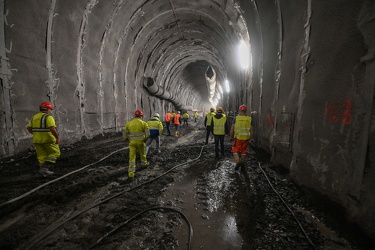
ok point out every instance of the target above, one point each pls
(237, 160)
(243, 162)
(177, 133)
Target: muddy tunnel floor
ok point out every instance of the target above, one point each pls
(185, 199)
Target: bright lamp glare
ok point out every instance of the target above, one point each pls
(226, 82)
(220, 89)
(244, 54)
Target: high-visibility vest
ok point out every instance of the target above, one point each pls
(196, 115)
(185, 116)
(209, 117)
(155, 126)
(219, 125)
(176, 119)
(41, 124)
(136, 130)
(168, 117)
(242, 127)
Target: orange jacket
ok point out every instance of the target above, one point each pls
(177, 119)
(168, 117)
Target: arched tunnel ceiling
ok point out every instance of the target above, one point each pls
(173, 40)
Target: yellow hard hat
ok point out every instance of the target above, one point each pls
(220, 109)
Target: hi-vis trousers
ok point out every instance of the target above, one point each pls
(47, 152)
(135, 146)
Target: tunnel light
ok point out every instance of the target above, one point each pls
(220, 89)
(244, 55)
(227, 88)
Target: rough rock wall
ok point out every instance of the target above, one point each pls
(316, 96)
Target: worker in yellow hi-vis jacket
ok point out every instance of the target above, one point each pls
(136, 132)
(46, 139)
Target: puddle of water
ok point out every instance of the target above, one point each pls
(201, 196)
(335, 242)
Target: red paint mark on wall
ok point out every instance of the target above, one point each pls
(340, 112)
(270, 121)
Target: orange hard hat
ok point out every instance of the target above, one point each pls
(46, 105)
(138, 112)
(243, 107)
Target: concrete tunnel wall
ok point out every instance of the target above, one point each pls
(311, 83)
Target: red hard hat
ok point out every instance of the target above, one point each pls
(138, 112)
(46, 105)
(243, 107)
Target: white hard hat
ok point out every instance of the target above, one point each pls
(157, 115)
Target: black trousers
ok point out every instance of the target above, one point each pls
(208, 131)
(219, 139)
(167, 125)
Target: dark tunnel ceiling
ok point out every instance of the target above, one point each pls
(184, 38)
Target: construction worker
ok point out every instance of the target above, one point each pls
(185, 118)
(136, 132)
(168, 118)
(207, 122)
(195, 116)
(220, 128)
(177, 123)
(46, 139)
(156, 129)
(241, 132)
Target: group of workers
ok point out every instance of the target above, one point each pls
(140, 134)
(240, 133)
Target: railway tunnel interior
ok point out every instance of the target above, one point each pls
(306, 72)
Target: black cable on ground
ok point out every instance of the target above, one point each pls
(76, 214)
(144, 211)
(290, 210)
(57, 179)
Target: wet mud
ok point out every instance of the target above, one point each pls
(185, 199)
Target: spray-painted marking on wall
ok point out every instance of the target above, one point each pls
(340, 112)
(270, 121)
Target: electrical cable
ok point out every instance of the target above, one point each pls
(57, 179)
(76, 214)
(144, 211)
(290, 210)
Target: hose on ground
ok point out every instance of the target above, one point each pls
(57, 179)
(76, 214)
(289, 209)
(142, 212)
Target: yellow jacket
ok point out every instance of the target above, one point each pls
(136, 130)
(155, 126)
(41, 124)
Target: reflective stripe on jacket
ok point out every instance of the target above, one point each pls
(41, 124)
(219, 125)
(242, 127)
(136, 130)
(155, 126)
